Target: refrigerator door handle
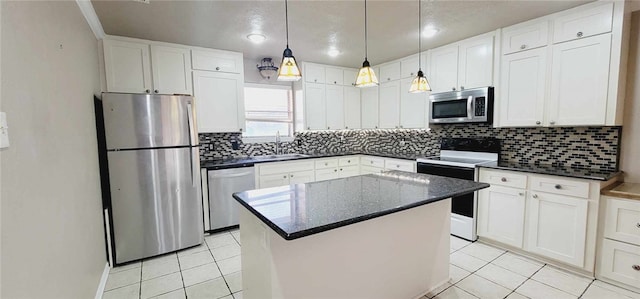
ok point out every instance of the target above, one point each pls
(192, 126)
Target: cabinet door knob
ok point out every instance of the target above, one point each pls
(638, 225)
(453, 88)
(552, 122)
(579, 34)
(291, 175)
(335, 170)
(636, 267)
(156, 91)
(503, 179)
(325, 163)
(411, 74)
(538, 122)
(388, 79)
(371, 162)
(376, 127)
(558, 186)
(523, 47)
(334, 82)
(348, 161)
(534, 196)
(217, 68)
(240, 129)
(308, 128)
(397, 166)
(521, 193)
(315, 80)
(148, 91)
(340, 169)
(284, 177)
(461, 87)
(346, 127)
(328, 128)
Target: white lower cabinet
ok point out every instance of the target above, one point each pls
(557, 227)
(620, 262)
(501, 214)
(551, 217)
(301, 177)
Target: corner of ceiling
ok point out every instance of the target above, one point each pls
(92, 18)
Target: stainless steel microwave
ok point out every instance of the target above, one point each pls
(465, 106)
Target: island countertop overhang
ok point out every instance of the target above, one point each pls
(301, 210)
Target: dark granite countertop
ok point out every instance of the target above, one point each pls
(589, 174)
(301, 210)
(224, 163)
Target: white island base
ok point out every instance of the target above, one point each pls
(402, 255)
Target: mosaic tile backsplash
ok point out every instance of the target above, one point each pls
(581, 147)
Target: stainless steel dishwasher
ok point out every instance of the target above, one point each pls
(223, 208)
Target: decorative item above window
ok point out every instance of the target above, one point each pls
(266, 68)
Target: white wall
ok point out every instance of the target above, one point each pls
(630, 151)
(52, 231)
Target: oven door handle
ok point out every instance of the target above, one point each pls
(470, 107)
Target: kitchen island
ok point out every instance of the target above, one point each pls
(371, 236)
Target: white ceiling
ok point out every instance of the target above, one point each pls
(315, 26)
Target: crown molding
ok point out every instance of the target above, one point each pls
(92, 18)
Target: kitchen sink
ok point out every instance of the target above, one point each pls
(280, 157)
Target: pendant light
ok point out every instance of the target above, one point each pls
(420, 83)
(289, 70)
(366, 75)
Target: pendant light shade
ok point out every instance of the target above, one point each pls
(289, 70)
(366, 75)
(419, 83)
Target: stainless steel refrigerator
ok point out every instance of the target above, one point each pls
(152, 160)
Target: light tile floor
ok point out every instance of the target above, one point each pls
(212, 270)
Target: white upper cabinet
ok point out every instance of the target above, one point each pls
(335, 107)
(443, 71)
(127, 66)
(525, 36)
(389, 72)
(315, 106)
(219, 101)
(349, 77)
(314, 73)
(217, 61)
(334, 76)
(351, 107)
(413, 107)
(523, 86)
(409, 67)
(171, 70)
(389, 104)
(583, 23)
(369, 106)
(579, 82)
(475, 66)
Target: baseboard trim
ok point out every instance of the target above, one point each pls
(103, 281)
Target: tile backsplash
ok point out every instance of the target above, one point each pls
(580, 147)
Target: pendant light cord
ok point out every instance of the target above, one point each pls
(366, 50)
(419, 35)
(286, 20)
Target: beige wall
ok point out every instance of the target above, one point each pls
(52, 233)
(630, 152)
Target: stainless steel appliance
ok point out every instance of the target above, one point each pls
(458, 159)
(222, 208)
(465, 106)
(152, 161)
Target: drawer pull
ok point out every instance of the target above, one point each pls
(523, 47)
(284, 177)
(325, 164)
(638, 225)
(340, 169)
(335, 170)
(371, 162)
(217, 68)
(534, 196)
(503, 179)
(291, 175)
(348, 161)
(397, 166)
(521, 193)
(579, 34)
(558, 186)
(636, 267)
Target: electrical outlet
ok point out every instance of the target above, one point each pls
(4, 131)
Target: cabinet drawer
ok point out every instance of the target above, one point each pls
(560, 186)
(583, 23)
(328, 163)
(503, 178)
(333, 76)
(621, 262)
(286, 167)
(348, 161)
(393, 164)
(622, 221)
(370, 169)
(525, 36)
(372, 161)
(390, 72)
(216, 61)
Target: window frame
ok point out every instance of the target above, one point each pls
(262, 139)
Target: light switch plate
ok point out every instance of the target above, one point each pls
(4, 131)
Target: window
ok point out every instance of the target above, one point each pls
(268, 110)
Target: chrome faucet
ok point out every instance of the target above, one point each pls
(278, 145)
